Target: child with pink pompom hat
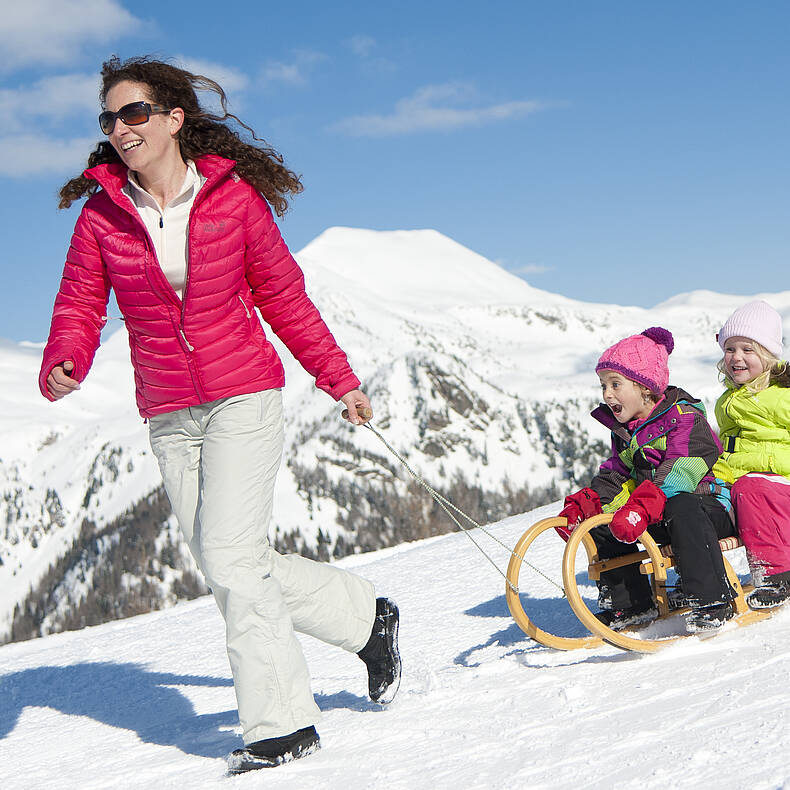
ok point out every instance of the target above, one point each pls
(659, 478)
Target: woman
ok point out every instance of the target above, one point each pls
(178, 225)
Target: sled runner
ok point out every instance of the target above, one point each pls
(654, 561)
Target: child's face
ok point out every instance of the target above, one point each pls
(741, 360)
(624, 397)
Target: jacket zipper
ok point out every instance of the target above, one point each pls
(188, 344)
(136, 216)
(198, 199)
(132, 211)
(736, 431)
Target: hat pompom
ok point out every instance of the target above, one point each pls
(661, 336)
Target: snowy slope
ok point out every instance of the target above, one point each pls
(86, 456)
(147, 702)
(472, 373)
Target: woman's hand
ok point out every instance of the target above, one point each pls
(60, 383)
(356, 401)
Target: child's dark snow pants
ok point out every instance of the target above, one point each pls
(693, 524)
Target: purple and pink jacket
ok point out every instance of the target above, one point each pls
(675, 448)
(211, 345)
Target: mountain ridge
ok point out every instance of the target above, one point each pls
(482, 385)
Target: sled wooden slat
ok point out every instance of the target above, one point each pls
(653, 560)
(725, 544)
(597, 568)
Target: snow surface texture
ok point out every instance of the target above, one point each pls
(148, 702)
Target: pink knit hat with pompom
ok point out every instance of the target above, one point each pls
(641, 358)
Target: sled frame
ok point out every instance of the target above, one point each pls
(654, 561)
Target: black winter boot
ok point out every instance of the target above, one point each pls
(604, 596)
(381, 654)
(773, 591)
(271, 752)
(618, 619)
(709, 617)
(676, 596)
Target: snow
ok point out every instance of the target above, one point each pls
(392, 265)
(54, 446)
(148, 702)
(411, 308)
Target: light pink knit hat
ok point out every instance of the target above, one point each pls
(756, 321)
(641, 358)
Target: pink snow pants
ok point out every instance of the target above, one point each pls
(762, 513)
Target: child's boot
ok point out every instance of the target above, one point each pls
(709, 617)
(604, 595)
(773, 591)
(618, 619)
(676, 596)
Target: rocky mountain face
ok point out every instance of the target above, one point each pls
(481, 383)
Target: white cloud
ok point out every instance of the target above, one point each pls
(362, 45)
(231, 80)
(53, 98)
(295, 72)
(288, 73)
(26, 155)
(46, 32)
(32, 143)
(436, 108)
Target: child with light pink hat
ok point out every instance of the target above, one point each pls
(659, 478)
(754, 425)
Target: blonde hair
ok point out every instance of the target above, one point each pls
(772, 366)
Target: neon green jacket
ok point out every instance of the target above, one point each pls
(755, 431)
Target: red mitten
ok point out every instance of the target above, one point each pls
(645, 506)
(578, 507)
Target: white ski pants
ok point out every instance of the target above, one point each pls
(219, 462)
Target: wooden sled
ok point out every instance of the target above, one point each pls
(654, 561)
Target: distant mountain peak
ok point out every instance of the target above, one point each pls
(422, 267)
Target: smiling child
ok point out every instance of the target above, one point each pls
(754, 425)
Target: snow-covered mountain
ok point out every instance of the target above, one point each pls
(148, 702)
(481, 381)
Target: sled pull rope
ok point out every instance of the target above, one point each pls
(446, 506)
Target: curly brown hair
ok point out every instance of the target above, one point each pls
(201, 133)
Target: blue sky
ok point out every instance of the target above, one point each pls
(610, 151)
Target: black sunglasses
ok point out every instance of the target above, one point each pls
(131, 114)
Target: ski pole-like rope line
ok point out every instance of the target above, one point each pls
(446, 506)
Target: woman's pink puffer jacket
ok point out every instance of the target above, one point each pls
(212, 344)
